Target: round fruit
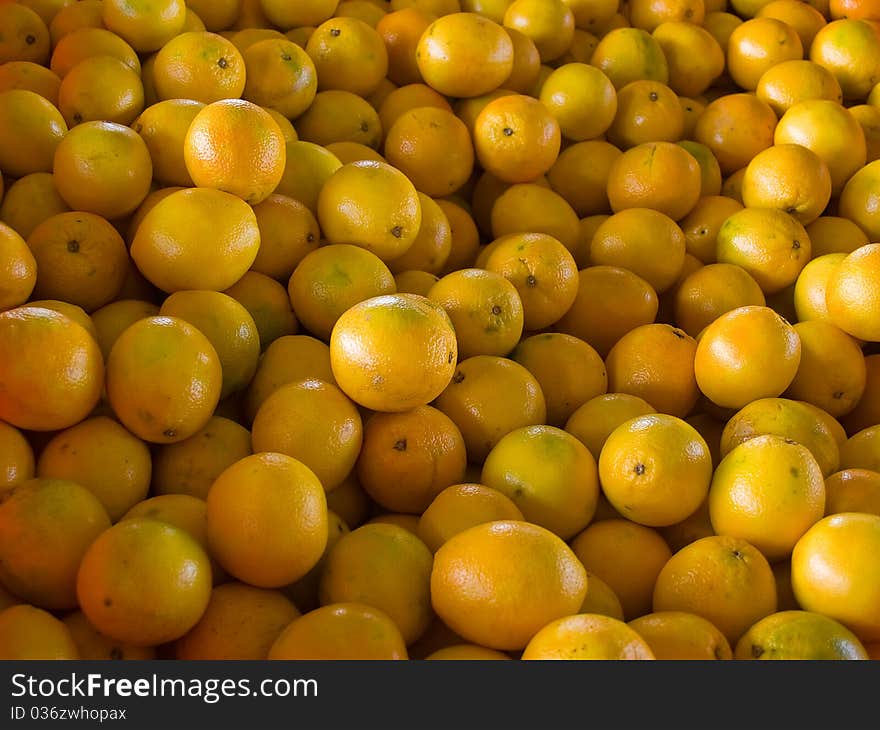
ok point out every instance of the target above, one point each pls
(799, 635)
(587, 637)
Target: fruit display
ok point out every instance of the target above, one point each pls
(440, 329)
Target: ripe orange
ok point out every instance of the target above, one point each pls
(852, 490)
(832, 572)
(784, 85)
(401, 30)
(487, 398)
(580, 175)
(202, 66)
(529, 208)
(482, 576)
(588, 637)
(25, 37)
(647, 111)
(570, 91)
(799, 635)
(748, 353)
(630, 54)
(269, 305)
(279, 75)
(52, 368)
(384, 378)
(31, 129)
(170, 394)
(93, 645)
(853, 293)
(596, 419)
(516, 138)
(340, 116)
(348, 55)
(736, 127)
(711, 291)
(549, 23)
(850, 49)
(695, 59)
(27, 632)
(18, 269)
(756, 46)
(680, 636)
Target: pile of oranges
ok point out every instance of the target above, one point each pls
(440, 329)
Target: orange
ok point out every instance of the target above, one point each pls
(30, 77)
(806, 20)
(112, 319)
(648, 14)
(850, 49)
(647, 111)
(29, 633)
(867, 410)
(642, 483)
(80, 258)
(860, 450)
(407, 98)
(428, 253)
(810, 288)
(736, 127)
(787, 83)
(858, 204)
(461, 652)
(121, 98)
(18, 269)
(485, 310)
(333, 278)
(832, 372)
(799, 635)
(345, 630)
(548, 23)
(853, 293)
(313, 422)
(235, 146)
(601, 599)
(487, 398)
(367, 10)
(100, 455)
(526, 63)
(432, 148)
(569, 371)
(267, 519)
(528, 208)
(415, 282)
(630, 54)
(340, 116)
(87, 42)
(516, 138)
(279, 75)
(401, 30)
(768, 491)
(646, 242)
(507, 561)
(822, 126)
(202, 66)
(288, 233)
(723, 579)
(543, 272)
(240, 623)
(77, 314)
(370, 204)
(26, 37)
(580, 175)
(287, 360)
(712, 291)
(868, 118)
(852, 490)
(93, 645)
(309, 12)
(570, 91)
(307, 167)
(31, 129)
(627, 556)
(756, 46)
(594, 421)
(691, 109)
(631, 185)
(171, 394)
(73, 16)
(832, 573)
(677, 635)
(561, 494)
(170, 250)
(710, 170)
(464, 55)
(268, 304)
(103, 168)
(228, 326)
(348, 55)
(408, 458)
(52, 369)
(414, 372)
(246, 37)
(748, 353)
(353, 152)
(163, 127)
(770, 244)
(587, 637)
(461, 506)
(592, 14)
(386, 567)
(217, 15)
(46, 526)
(189, 467)
(655, 362)
(17, 456)
(694, 57)
(793, 420)
(610, 302)
(144, 582)
(145, 26)
(789, 177)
